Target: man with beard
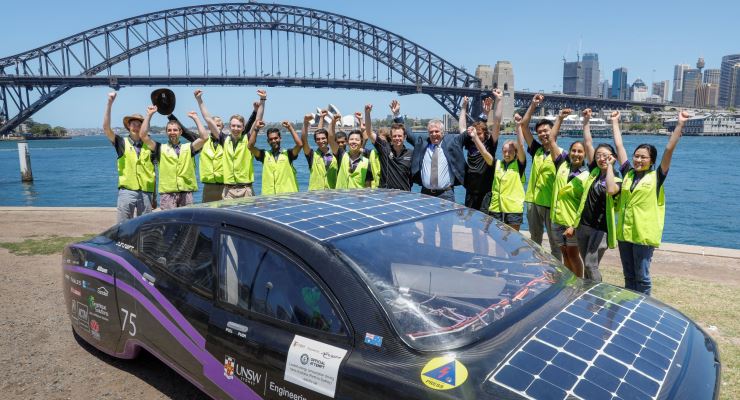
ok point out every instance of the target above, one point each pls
(278, 173)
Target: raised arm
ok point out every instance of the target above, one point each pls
(588, 141)
(252, 140)
(665, 163)
(618, 143)
(206, 115)
(198, 143)
(144, 130)
(304, 134)
(473, 134)
(498, 113)
(322, 116)
(332, 136)
(298, 142)
(261, 108)
(536, 100)
(106, 118)
(555, 150)
(521, 155)
(611, 182)
(462, 121)
(368, 124)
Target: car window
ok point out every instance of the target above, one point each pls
(282, 290)
(183, 250)
(239, 259)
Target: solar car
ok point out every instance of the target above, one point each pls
(372, 294)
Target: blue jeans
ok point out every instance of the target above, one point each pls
(636, 260)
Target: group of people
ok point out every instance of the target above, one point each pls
(575, 195)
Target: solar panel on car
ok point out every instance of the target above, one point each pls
(335, 213)
(609, 343)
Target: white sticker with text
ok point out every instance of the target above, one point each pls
(313, 365)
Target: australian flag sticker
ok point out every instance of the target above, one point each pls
(373, 340)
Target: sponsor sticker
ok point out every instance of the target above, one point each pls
(443, 373)
(233, 368)
(229, 368)
(101, 269)
(89, 264)
(313, 365)
(82, 313)
(103, 291)
(95, 329)
(97, 309)
(75, 292)
(373, 340)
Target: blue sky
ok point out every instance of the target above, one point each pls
(647, 37)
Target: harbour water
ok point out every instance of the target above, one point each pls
(702, 188)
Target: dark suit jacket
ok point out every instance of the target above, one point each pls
(452, 146)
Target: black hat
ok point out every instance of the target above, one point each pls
(164, 99)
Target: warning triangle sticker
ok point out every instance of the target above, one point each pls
(445, 373)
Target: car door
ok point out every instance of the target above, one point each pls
(275, 325)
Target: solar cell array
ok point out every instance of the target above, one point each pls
(330, 214)
(609, 343)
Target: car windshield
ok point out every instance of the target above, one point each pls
(444, 279)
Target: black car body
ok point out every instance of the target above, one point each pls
(372, 294)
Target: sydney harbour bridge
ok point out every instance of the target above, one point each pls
(244, 44)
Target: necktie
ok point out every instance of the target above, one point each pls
(434, 181)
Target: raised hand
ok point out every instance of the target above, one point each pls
(198, 94)
(487, 105)
(324, 113)
(193, 115)
(151, 110)
(258, 125)
(538, 99)
(472, 132)
(336, 118)
(307, 118)
(368, 107)
(262, 94)
(683, 116)
(615, 116)
(358, 116)
(587, 114)
(498, 94)
(564, 113)
(112, 97)
(286, 124)
(517, 118)
(395, 106)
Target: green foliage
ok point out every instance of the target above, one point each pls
(45, 246)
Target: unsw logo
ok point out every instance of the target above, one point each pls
(246, 375)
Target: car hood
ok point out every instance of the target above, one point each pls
(594, 341)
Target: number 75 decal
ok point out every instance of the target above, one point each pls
(129, 318)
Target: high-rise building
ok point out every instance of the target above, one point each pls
(678, 82)
(620, 87)
(711, 75)
(638, 90)
(485, 74)
(707, 95)
(734, 100)
(661, 89)
(573, 78)
(691, 81)
(604, 89)
(503, 78)
(591, 74)
(726, 79)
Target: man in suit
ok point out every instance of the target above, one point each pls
(437, 161)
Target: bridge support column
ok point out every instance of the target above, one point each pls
(25, 158)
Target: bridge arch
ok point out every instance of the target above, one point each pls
(32, 79)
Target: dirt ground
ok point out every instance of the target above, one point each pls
(41, 358)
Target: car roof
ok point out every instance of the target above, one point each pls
(331, 214)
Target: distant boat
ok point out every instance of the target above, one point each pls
(572, 126)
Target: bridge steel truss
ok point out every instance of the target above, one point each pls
(218, 38)
(557, 102)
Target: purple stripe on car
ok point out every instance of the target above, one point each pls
(194, 335)
(95, 274)
(212, 368)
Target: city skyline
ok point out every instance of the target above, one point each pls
(536, 58)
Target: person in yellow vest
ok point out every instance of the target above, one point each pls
(507, 189)
(571, 174)
(596, 229)
(278, 172)
(210, 166)
(371, 154)
(541, 178)
(322, 164)
(176, 161)
(135, 166)
(642, 205)
(237, 161)
(355, 171)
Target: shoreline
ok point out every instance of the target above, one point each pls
(673, 248)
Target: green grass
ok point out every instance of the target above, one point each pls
(708, 304)
(41, 247)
